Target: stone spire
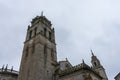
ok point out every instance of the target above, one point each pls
(92, 52)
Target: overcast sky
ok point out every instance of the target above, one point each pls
(80, 25)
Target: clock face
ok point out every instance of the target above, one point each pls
(31, 41)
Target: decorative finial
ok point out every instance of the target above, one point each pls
(53, 29)
(92, 52)
(42, 13)
(66, 59)
(83, 61)
(3, 67)
(12, 69)
(6, 67)
(28, 27)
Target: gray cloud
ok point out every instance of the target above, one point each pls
(80, 25)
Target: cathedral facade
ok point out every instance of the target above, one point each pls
(39, 58)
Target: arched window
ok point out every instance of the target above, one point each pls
(30, 34)
(35, 31)
(95, 63)
(45, 55)
(26, 52)
(45, 49)
(45, 32)
(52, 54)
(49, 35)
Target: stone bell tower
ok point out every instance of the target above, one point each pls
(96, 65)
(39, 56)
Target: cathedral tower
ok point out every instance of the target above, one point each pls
(96, 65)
(39, 56)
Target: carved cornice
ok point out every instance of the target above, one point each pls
(76, 68)
(41, 19)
